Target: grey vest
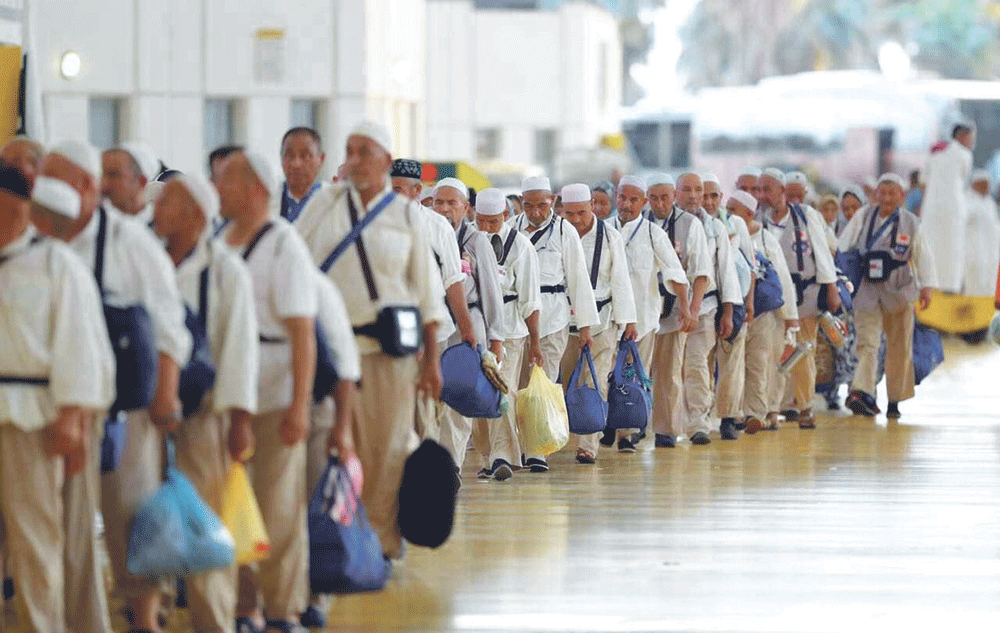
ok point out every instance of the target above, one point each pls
(900, 289)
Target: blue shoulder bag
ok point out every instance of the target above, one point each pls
(768, 295)
(630, 401)
(465, 387)
(588, 412)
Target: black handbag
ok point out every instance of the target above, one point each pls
(133, 341)
(198, 376)
(427, 496)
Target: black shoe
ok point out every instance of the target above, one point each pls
(312, 618)
(501, 470)
(700, 438)
(484, 473)
(608, 439)
(893, 411)
(665, 441)
(833, 405)
(728, 429)
(741, 425)
(246, 625)
(536, 465)
(284, 626)
(638, 437)
(791, 415)
(859, 404)
(8, 588)
(625, 445)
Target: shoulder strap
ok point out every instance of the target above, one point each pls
(203, 295)
(358, 227)
(284, 201)
(871, 239)
(595, 266)
(461, 236)
(256, 239)
(799, 244)
(102, 233)
(508, 244)
(538, 234)
(671, 226)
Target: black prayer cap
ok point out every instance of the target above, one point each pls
(406, 168)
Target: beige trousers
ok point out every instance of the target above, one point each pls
(803, 375)
(764, 335)
(277, 473)
(731, 359)
(668, 383)
(86, 598)
(698, 393)
(605, 345)
(31, 508)
(497, 439)
(384, 437)
(898, 327)
(431, 415)
(203, 456)
(137, 479)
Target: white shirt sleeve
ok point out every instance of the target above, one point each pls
(294, 291)
(446, 247)
(826, 271)
(237, 361)
(699, 258)
(622, 297)
(429, 299)
(728, 280)
(850, 238)
(488, 285)
(923, 262)
(528, 280)
(667, 262)
(150, 264)
(578, 287)
(790, 310)
(336, 325)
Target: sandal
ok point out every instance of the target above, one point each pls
(807, 420)
(585, 457)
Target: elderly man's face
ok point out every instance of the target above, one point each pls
(301, 160)
(176, 211)
(749, 184)
(235, 180)
(795, 193)
(121, 182)
(580, 215)
(740, 210)
(450, 203)
(661, 199)
(490, 224)
(772, 192)
(409, 187)
(712, 198)
(537, 206)
(367, 163)
(601, 204)
(690, 192)
(890, 196)
(631, 200)
(849, 205)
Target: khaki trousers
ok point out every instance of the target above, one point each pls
(384, 437)
(497, 439)
(317, 458)
(31, 508)
(203, 456)
(761, 353)
(668, 383)
(898, 327)
(605, 344)
(731, 358)
(431, 414)
(803, 375)
(698, 394)
(138, 477)
(86, 598)
(278, 473)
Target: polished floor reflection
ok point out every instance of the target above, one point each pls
(858, 525)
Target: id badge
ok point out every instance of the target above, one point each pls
(876, 269)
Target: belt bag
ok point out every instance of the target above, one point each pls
(879, 265)
(852, 264)
(130, 330)
(198, 376)
(739, 318)
(397, 329)
(800, 287)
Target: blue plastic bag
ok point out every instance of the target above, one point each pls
(927, 352)
(176, 533)
(630, 400)
(465, 387)
(587, 410)
(345, 555)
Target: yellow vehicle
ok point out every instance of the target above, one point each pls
(958, 314)
(472, 177)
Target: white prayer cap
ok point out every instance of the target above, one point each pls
(56, 196)
(980, 175)
(660, 179)
(706, 178)
(753, 172)
(454, 183)
(425, 193)
(80, 153)
(374, 131)
(796, 178)
(264, 171)
(632, 181)
(893, 178)
(855, 191)
(745, 199)
(577, 192)
(203, 192)
(536, 183)
(490, 202)
(142, 154)
(775, 173)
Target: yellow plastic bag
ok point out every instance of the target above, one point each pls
(542, 421)
(241, 515)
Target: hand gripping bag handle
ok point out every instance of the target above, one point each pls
(626, 347)
(575, 376)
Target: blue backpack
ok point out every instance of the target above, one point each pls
(768, 295)
(588, 412)
(630, 401)
(465, 387)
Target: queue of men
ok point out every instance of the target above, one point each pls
(715, 282)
